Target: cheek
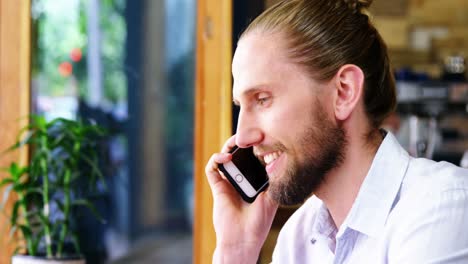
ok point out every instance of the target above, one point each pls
(286, 124)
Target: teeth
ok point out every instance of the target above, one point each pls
(269, 158)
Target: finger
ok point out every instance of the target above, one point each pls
(229, 144)
(220, 158)
(218, 182)
(211, 168)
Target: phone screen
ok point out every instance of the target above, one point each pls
(250, 166)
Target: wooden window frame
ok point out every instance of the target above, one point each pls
(15, 44)
(213, 113)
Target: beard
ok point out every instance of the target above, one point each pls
(322, 149)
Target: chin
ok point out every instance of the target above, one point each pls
(294, 188)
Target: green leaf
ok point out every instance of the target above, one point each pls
(6, 181)
(40, 122)
(58, 120)
(37, 239)
(28, 139)
(44, 220)
(19, 187)
(58, 140)
(34, 190)
(58, 225)
(14, 214)
(76, 243)
(16, 171)
(95, 169)
(90, 206)
(27, 233)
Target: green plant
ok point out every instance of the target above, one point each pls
(62, 172)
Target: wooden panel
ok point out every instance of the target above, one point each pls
(212, 111)
(390, 8)
(394, 31)
(14, 91)
(436, 12)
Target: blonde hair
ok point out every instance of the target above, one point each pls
(323, 35)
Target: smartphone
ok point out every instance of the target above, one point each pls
(246, 173)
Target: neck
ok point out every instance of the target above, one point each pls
(342, 184)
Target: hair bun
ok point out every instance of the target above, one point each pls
(358, 5)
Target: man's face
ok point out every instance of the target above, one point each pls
(283, 114)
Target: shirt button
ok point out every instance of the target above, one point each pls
(313, 240)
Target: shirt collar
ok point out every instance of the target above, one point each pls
(324, 224)
(379, 189)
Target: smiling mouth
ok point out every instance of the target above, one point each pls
(271, 157)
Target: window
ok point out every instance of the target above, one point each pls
(129, 65)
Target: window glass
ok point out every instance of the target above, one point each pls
(128, 65)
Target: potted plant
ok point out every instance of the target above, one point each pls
(62, 171)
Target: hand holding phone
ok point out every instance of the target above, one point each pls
(246, 173)
(243, 240)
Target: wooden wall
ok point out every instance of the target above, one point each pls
(212, 110)
(14, 91)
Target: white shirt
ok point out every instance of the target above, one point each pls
(407, 210)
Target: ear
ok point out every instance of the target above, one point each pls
(349, 84)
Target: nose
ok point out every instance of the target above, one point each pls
(249, 132)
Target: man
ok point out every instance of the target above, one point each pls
(313, 82)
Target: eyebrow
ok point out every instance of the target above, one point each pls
(248, 92)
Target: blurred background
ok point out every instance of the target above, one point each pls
(130, 65)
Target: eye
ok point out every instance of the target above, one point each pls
(263, 99)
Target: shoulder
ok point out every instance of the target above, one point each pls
(429, 218)
(429, 186)
(427, 177)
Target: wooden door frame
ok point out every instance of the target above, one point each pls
(213, 112)
(15, 45)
